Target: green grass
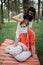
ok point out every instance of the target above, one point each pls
(38, 28)
(9, 29)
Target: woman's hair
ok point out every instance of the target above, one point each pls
(33, 10)
(30, 9)
(24, 22)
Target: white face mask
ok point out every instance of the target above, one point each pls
(23, 30)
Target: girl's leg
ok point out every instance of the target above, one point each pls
(14, 50)
(8, 48)
(23, 56)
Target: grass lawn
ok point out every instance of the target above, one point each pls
(9, 29)
(38, 28)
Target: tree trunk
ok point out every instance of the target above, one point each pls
(8, 10)
(0, 18)
(31, 3)
(2, 12)
(42, 10)
(16, 7)
(38, 10)
(42, 14)
(25, 3)
(0, 24)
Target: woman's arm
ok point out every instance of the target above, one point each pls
(17, 17)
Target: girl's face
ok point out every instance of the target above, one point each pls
(23, 28)
(23, 25)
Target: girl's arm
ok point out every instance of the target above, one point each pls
(23, 46)
(33, 52)
(32, 42)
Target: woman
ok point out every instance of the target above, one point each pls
(28, 15)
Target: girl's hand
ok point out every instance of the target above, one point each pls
(34, 56)
(23, 46)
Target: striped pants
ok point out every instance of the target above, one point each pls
(18, 53)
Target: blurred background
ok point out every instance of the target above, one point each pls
(9, 8)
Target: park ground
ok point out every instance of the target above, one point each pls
(9, 29)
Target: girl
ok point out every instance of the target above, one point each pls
(26, 43)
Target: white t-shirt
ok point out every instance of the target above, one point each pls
(18, 26)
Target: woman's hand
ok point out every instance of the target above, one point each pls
(25, 48)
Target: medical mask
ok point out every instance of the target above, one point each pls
(30, 17)
(23, 30)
